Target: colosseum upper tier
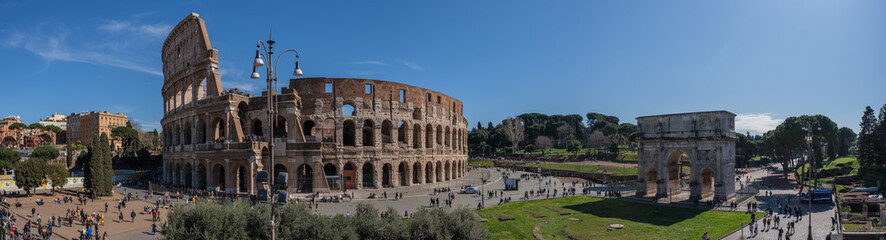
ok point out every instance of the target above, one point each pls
(330, 134)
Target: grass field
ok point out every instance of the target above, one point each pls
(594, 215)
(586, 168)
(836, 163)
(480, 163)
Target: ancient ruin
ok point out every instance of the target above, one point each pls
(330, 133)
(706, 139)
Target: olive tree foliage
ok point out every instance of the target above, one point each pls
(296, 221)
(438, 224)
(58, 174)
(30, 174)
(514, 131)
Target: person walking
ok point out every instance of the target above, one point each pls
(132, 215)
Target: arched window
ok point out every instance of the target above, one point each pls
(347, 110)
(386, 131)
(348, 135)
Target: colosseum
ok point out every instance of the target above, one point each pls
(330, 134)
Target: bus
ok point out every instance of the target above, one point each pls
(820, 195)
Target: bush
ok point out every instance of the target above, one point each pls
(573, 146)
(296, 221)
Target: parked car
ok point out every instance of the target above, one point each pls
(468, 189)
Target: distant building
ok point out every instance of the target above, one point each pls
(57, 120)
(9, 137)
(84, 126)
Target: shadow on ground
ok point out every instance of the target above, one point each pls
(635, 212)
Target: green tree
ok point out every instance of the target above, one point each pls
(54, 129)
(18, 126)
(58, 174)
(69, 156)
(97, 172)
(845, 139)
(45, 152)
(36, 126)
(9, 158)
(867, 139)
(573, 146)
(129, 136)
(529, 148)
(30, 174)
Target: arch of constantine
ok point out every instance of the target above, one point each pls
(703, 140)
(330, 133)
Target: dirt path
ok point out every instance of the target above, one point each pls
(536, 230)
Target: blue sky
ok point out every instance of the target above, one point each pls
(763, 60)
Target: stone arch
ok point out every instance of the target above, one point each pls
(387, 129)
(401, 132)
(416, 173)
(429, 136)
(201, 131)
(348, 110)
(651, 181)
(368, 133)
(416, 113)
(350, 174)
(200, 90)
(328, 130)
(429, 172)
(187, 133)
(705, 139)
(401, 171)
(242, 179)
(218, 174)
(178, 132)
(308, 127)
(439, 171)
(304, 179)
(280, 129)
(447, 136)
(201, 176)
(242, 110)
(219, 128)
(348, 135)
(257, 127)
(675, 171)
(188, 171)
(386, 175)
(332, 177)
(448, 175)
(368, 172)
(439, 135)
(416, 136)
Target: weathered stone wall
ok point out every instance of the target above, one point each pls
(706, 138)
(214, 139)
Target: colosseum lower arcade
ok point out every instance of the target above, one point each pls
(330, 134)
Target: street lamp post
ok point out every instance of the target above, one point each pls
(810, 169)
(271, 77)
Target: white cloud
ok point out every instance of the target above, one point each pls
(758, 123)
(114, 25)
(156, 30)
(412, 65)
(54, 47)
(152, 30)
(379, 63)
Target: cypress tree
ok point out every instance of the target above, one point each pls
(98, 175)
